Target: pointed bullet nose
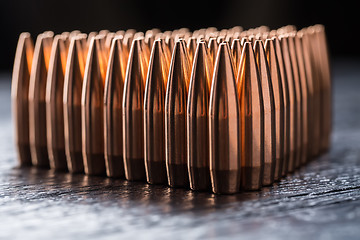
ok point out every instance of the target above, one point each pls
(92, 105)
(73, 79)
(252, 117)
(224, 126)
(19, 96)
(236, 53)
(154, 122)
(175, 116)
(213, 48)
(197, 120)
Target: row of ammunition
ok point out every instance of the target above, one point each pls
(225, 110)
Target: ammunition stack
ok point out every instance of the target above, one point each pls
(221, 111)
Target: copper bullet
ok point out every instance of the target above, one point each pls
(197, 119)
(298, 94)
(251, 120)
(73, 80)
(154, 115)
(286, 96)
(304, 99)
(224, 126)
(20, 94)
(269, 113)
(191, 47)
(272, 58)
(175, 117)
(114, 84)
(310, 86)
(54, 103)
(133, 112)
(292, 104)
(236, 53)
(92, 106)
(213, 48)
(37, 105)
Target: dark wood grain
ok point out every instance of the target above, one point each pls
(320, 201)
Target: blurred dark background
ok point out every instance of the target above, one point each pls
(36, 16)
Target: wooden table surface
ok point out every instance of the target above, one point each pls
(320, 201)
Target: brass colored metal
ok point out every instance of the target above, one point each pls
(236, 50)
(154, 115)
(175, 117)
(292, 102)
(269, 113)
(37, 105)
(251, 120)
(92, 106)
(299, 102)
(197, 120)
(54, 103)
(310, 86)
(213, 49)
(272, 58)
(133, 112)
(224, 126)
(304, 99)
(73, 80)
(191, 48)
(114, 85)
(286, 95)
(20, 94)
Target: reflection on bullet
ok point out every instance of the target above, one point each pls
(191, 47)
(276, 81)
(175, 117)
(92, 105)
(37, 106)
(213, 48)
(133, 113)
(298, 98)
(154, 115)
(236, 53)
(224, 126)
(54, 103)
(304, 98)
(292, 103)
(251, 120)
(19, 96)
(197, 119)
(73, 80)
(114, 84)
(269, 113)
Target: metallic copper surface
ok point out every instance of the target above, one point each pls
(299, 102)
(113, 93)
(20, 96)
(292, 102)
(191, 48)
(73, 79)
(213, 49)
(272, 58)
(224, 126)
(92, 106)
(154, 115)
(251, 120)
(236, 50)
(197, 119)
(310, 86)
(304, 99)
(133, 112)
(37, 106)
(175, 117)
(286, 95)
(269, 113)
(54, 103)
